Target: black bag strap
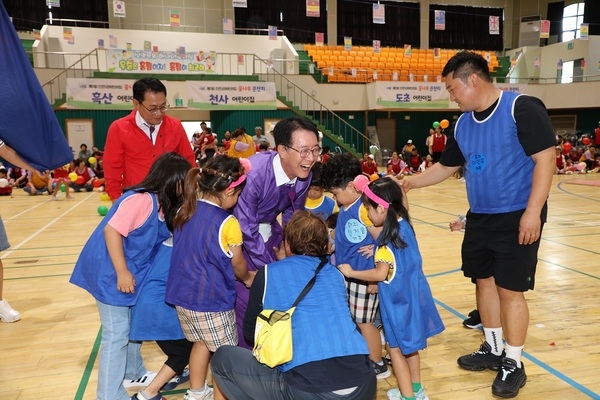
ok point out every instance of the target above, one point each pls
(310, 283)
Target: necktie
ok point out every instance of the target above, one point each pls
(152, 128)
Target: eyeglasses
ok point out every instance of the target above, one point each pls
(315, 151)
(155, 111)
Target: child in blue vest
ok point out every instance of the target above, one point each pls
(408, 312)
(354, 245)
(316, 201)
(115, 261)
(206, 260)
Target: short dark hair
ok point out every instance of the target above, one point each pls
(141, 86)
(317, 175)
(340, 169)
(465, 63)
(286, 127)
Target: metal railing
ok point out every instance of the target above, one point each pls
(76, 22)
(85, 67)
(303, 103)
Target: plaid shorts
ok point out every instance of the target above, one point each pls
(215, 329)
(363, 306)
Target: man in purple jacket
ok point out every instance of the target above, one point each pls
(277, 184)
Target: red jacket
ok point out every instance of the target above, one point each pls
(129, 153)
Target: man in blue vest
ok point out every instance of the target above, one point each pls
(497, 132)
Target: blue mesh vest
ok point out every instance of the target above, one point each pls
(201, 276)
(351, 235)
(497, 170)
(322, 327)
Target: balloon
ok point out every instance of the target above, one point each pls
(373, 149)
(102, 210)
(92, 160)
(3, 182)
(80, 180)
(374, 177)
(62, 188)
(580, 166)
(73, 176)
(444, 123)
(436, 124)
(586, 141)
(104, 197)
(97, 183)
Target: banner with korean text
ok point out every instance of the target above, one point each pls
(171, 62)
(217, 95)
(518, 88)
(411, 95)
(107, 94)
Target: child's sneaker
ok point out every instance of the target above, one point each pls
(382, 371)
(394, 394)
(207, 394)
(7, 313)
(140, 396)
(140, 382)
(177, 380)
(421, 395)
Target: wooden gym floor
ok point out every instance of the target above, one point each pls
(52, 351)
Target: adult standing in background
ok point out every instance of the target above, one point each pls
(438, 144)
(259, 138)
(277, 185)
(497, 132)
(597, 135)
(134, 142)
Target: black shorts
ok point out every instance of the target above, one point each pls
(491, 249)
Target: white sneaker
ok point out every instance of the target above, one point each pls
(207, 394)
(7, 313)
(144, 381)
(394, 394)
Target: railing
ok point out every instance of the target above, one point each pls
(85, 67)
(303, 103)
(77, 22)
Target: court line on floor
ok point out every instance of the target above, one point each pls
(24, 211)
(569, 381)
(32, 236)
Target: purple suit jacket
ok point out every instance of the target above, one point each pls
(262, 201)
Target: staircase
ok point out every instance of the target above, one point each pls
(305, 62)
(329, 138)
(338, 134)
(502, 70)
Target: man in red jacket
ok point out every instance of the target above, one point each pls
(135, 141)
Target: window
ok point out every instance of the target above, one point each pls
(572, 20)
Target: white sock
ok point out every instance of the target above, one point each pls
(494, 338)
(514, 353)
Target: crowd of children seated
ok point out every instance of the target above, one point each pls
(579, 159)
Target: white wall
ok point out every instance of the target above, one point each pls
(86, 40)
(549, 56)
(337, 97)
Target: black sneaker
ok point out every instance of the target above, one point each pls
(481, 359)
(509, 380)
(382, 371)
(474, 320)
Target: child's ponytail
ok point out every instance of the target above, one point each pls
(190, 198)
